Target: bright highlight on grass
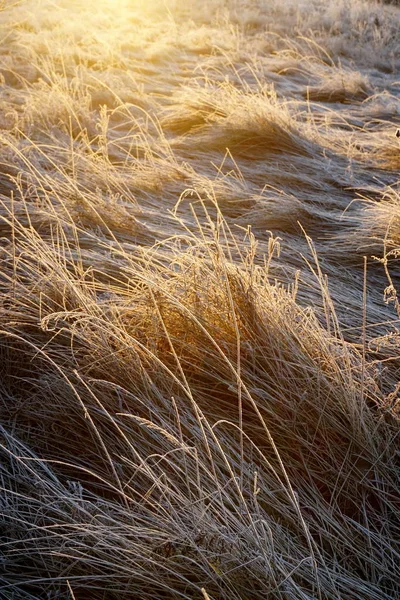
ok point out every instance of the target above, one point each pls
(199, 314)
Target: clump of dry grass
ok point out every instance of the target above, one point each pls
(249, 124)
(224, 421)
(340, 87)
(197, 400)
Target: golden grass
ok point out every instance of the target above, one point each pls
(199, 244)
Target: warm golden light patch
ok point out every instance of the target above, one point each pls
(126, 7)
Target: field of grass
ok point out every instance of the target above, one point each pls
(199, 320)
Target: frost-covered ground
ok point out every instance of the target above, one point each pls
(200, 233)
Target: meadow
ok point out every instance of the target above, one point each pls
(199, 313)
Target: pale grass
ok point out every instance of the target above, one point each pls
(199, 309)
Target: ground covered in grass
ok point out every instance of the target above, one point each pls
(199, 321)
